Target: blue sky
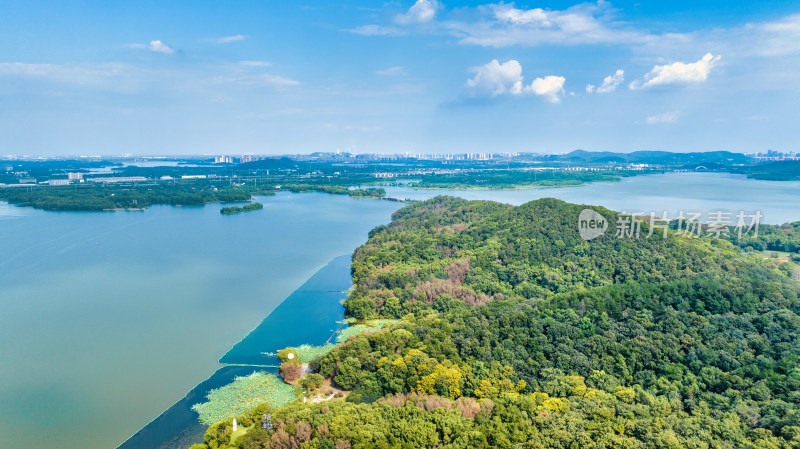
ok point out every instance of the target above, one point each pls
(238, 77)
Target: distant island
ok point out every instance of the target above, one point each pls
(491, 325)
(238, 209)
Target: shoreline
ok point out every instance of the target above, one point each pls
(178, 426)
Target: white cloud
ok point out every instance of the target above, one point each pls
(495, 79)
(548, 87)
(230, 39)
(375, 30)
(66, 73)
(502, 25)
(262, 79)
(667, 117)
(160, 47)
(510, 14)
(422, 11)
(392, 71)
(610, 83)
(678, 73)
(781, 37)
(590, 88)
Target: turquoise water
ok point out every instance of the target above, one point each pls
(310, 315)
(108, 319)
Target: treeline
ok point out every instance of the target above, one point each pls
(100, 197)
(509, 179)
(516, 332)
(238, 209)
(771, 171)
(784, 238)
(109, 197)
(337, 190)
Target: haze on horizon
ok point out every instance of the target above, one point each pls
(422, 76)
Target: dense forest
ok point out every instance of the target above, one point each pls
(371, 192)
(783, 238)
(230, 210)
(513, 331)
(509, 179)
(100, 197)
(773, 171)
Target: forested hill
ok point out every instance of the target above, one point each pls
(475, 251)
(513, 331)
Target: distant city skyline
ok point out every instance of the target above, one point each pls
(425, 76)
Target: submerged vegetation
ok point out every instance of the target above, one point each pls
(242, 395)
(510, 330)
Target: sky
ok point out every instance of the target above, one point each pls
(265, 77)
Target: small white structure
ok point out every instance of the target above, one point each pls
(234, 424)
(58, 182)
(290, 356)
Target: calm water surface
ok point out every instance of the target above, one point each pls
(779, 201)
(108, 319)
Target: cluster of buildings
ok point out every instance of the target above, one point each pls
(773, 155)
(241, 159)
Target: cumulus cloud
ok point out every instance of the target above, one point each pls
(160, 47)
(495, 79)
(678, 73)
(422, 11)
(549, 87)
(230, 39)
(610, 83)
(391, 71)
(667, 117)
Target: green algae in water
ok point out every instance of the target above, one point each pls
(308, 353)
(243, 394)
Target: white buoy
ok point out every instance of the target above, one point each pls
(234, 424)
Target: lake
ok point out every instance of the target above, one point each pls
(779, 201)
(108, 319)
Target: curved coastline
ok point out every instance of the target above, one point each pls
(288, 324)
